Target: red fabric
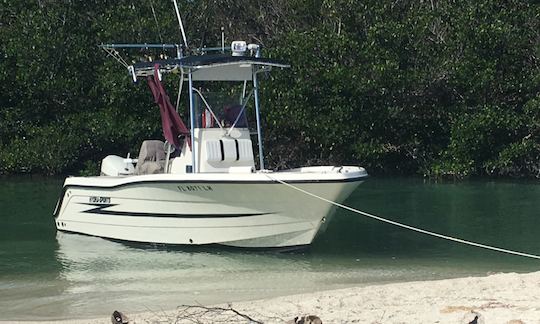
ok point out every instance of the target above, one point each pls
(172, 124)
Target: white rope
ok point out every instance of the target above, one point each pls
(445, 237)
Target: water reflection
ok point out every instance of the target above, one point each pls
(99, 274)
(102, 272)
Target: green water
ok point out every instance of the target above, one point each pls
(49, 275)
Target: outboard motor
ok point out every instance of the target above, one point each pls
(114, 166)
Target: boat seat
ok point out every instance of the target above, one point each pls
(229, 150)
(151, 157)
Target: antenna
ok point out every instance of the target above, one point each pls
(180, 23)
(222, 39)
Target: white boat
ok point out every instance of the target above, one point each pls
(209, 190)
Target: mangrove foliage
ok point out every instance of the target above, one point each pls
(438, 88)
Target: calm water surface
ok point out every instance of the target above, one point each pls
(49, 275)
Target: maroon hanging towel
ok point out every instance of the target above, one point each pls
(172, 124)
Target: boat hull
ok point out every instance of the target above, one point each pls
(242, 210)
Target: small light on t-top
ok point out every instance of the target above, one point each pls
(238, 48)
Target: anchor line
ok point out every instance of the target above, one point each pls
(412, 228)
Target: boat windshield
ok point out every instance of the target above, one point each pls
(217, 109)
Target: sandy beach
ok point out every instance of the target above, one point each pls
(498, 298)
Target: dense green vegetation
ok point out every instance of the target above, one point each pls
(440, 88)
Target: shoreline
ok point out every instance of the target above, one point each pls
(499, 298)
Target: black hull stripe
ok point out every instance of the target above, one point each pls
(100, 210)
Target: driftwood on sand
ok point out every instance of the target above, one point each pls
(200, 314)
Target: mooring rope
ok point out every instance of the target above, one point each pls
(412, 228)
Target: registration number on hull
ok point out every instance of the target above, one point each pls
(100, 200)
(195, 188)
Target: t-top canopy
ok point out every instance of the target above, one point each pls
(210, 67)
